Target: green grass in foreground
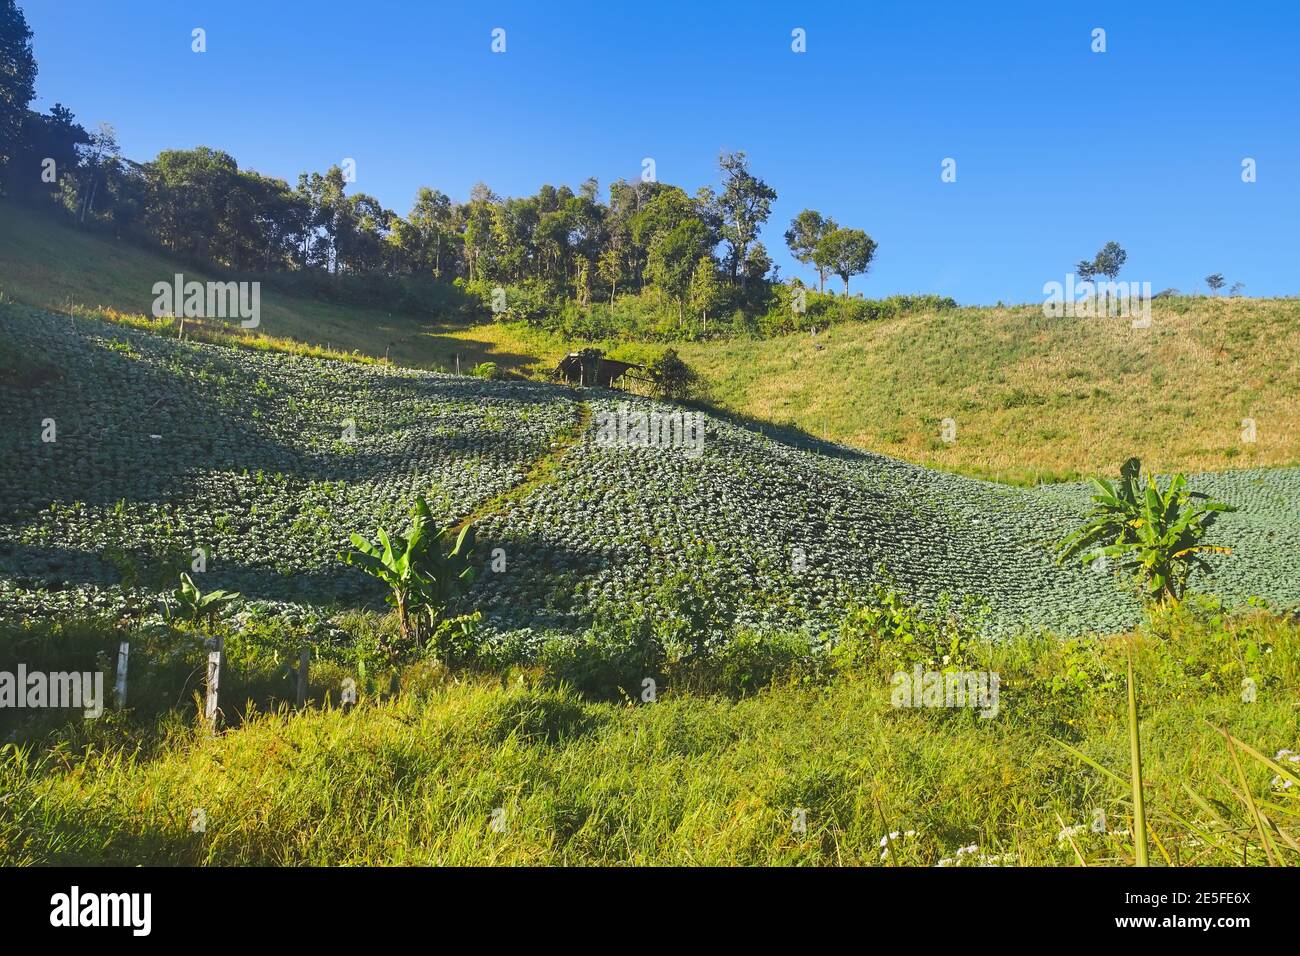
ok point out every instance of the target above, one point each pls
(704, 779)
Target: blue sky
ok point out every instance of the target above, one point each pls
(1058, 149)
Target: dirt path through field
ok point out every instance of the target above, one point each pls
(541, 472)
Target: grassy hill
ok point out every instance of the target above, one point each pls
(1032, 398)
(48, 263)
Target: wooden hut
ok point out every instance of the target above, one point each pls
(590, 367)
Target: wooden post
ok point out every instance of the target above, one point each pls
(304, 659)
(457, 363)
(120, 687)
(211, 712)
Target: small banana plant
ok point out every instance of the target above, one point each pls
(190, 604)
(1154, 533)
(423, 569)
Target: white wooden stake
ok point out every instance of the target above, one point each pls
(120, 686)
(211, 712)
(303, 659)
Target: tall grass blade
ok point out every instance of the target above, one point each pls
(1248, 798)
(1135, 760)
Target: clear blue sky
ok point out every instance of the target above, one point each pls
(1058, 149)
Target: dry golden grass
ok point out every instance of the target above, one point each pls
(1031, 395)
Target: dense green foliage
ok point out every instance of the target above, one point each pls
(17, 76)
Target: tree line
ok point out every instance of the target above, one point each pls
(700, 250)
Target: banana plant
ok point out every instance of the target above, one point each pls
(189, 603)
(1152, 532)
(424, 569)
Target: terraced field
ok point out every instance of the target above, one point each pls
(162, 447)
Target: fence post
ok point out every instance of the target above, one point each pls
(119, 687)
(211, 711)
(304, 657)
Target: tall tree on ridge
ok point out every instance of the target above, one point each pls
(806, 230)
(17, 76)
(846, 252)
(745, 204)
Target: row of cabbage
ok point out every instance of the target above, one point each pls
(146, 453)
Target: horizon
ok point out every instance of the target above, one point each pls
(1010, 122)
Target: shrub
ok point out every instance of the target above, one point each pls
(884, 634)
(750, 660)
(672, 378)
(601, 663)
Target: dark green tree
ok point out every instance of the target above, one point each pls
(745, 204)
(673, 258)
(845, 253)
(17, 76)
(57, 137)
(807, 230)
(1110, 260)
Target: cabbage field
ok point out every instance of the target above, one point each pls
(136, 455)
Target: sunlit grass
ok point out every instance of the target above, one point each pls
(421, 778)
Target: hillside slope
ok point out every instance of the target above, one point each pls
(164, 446)
(1030, 398)
(47, 263)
